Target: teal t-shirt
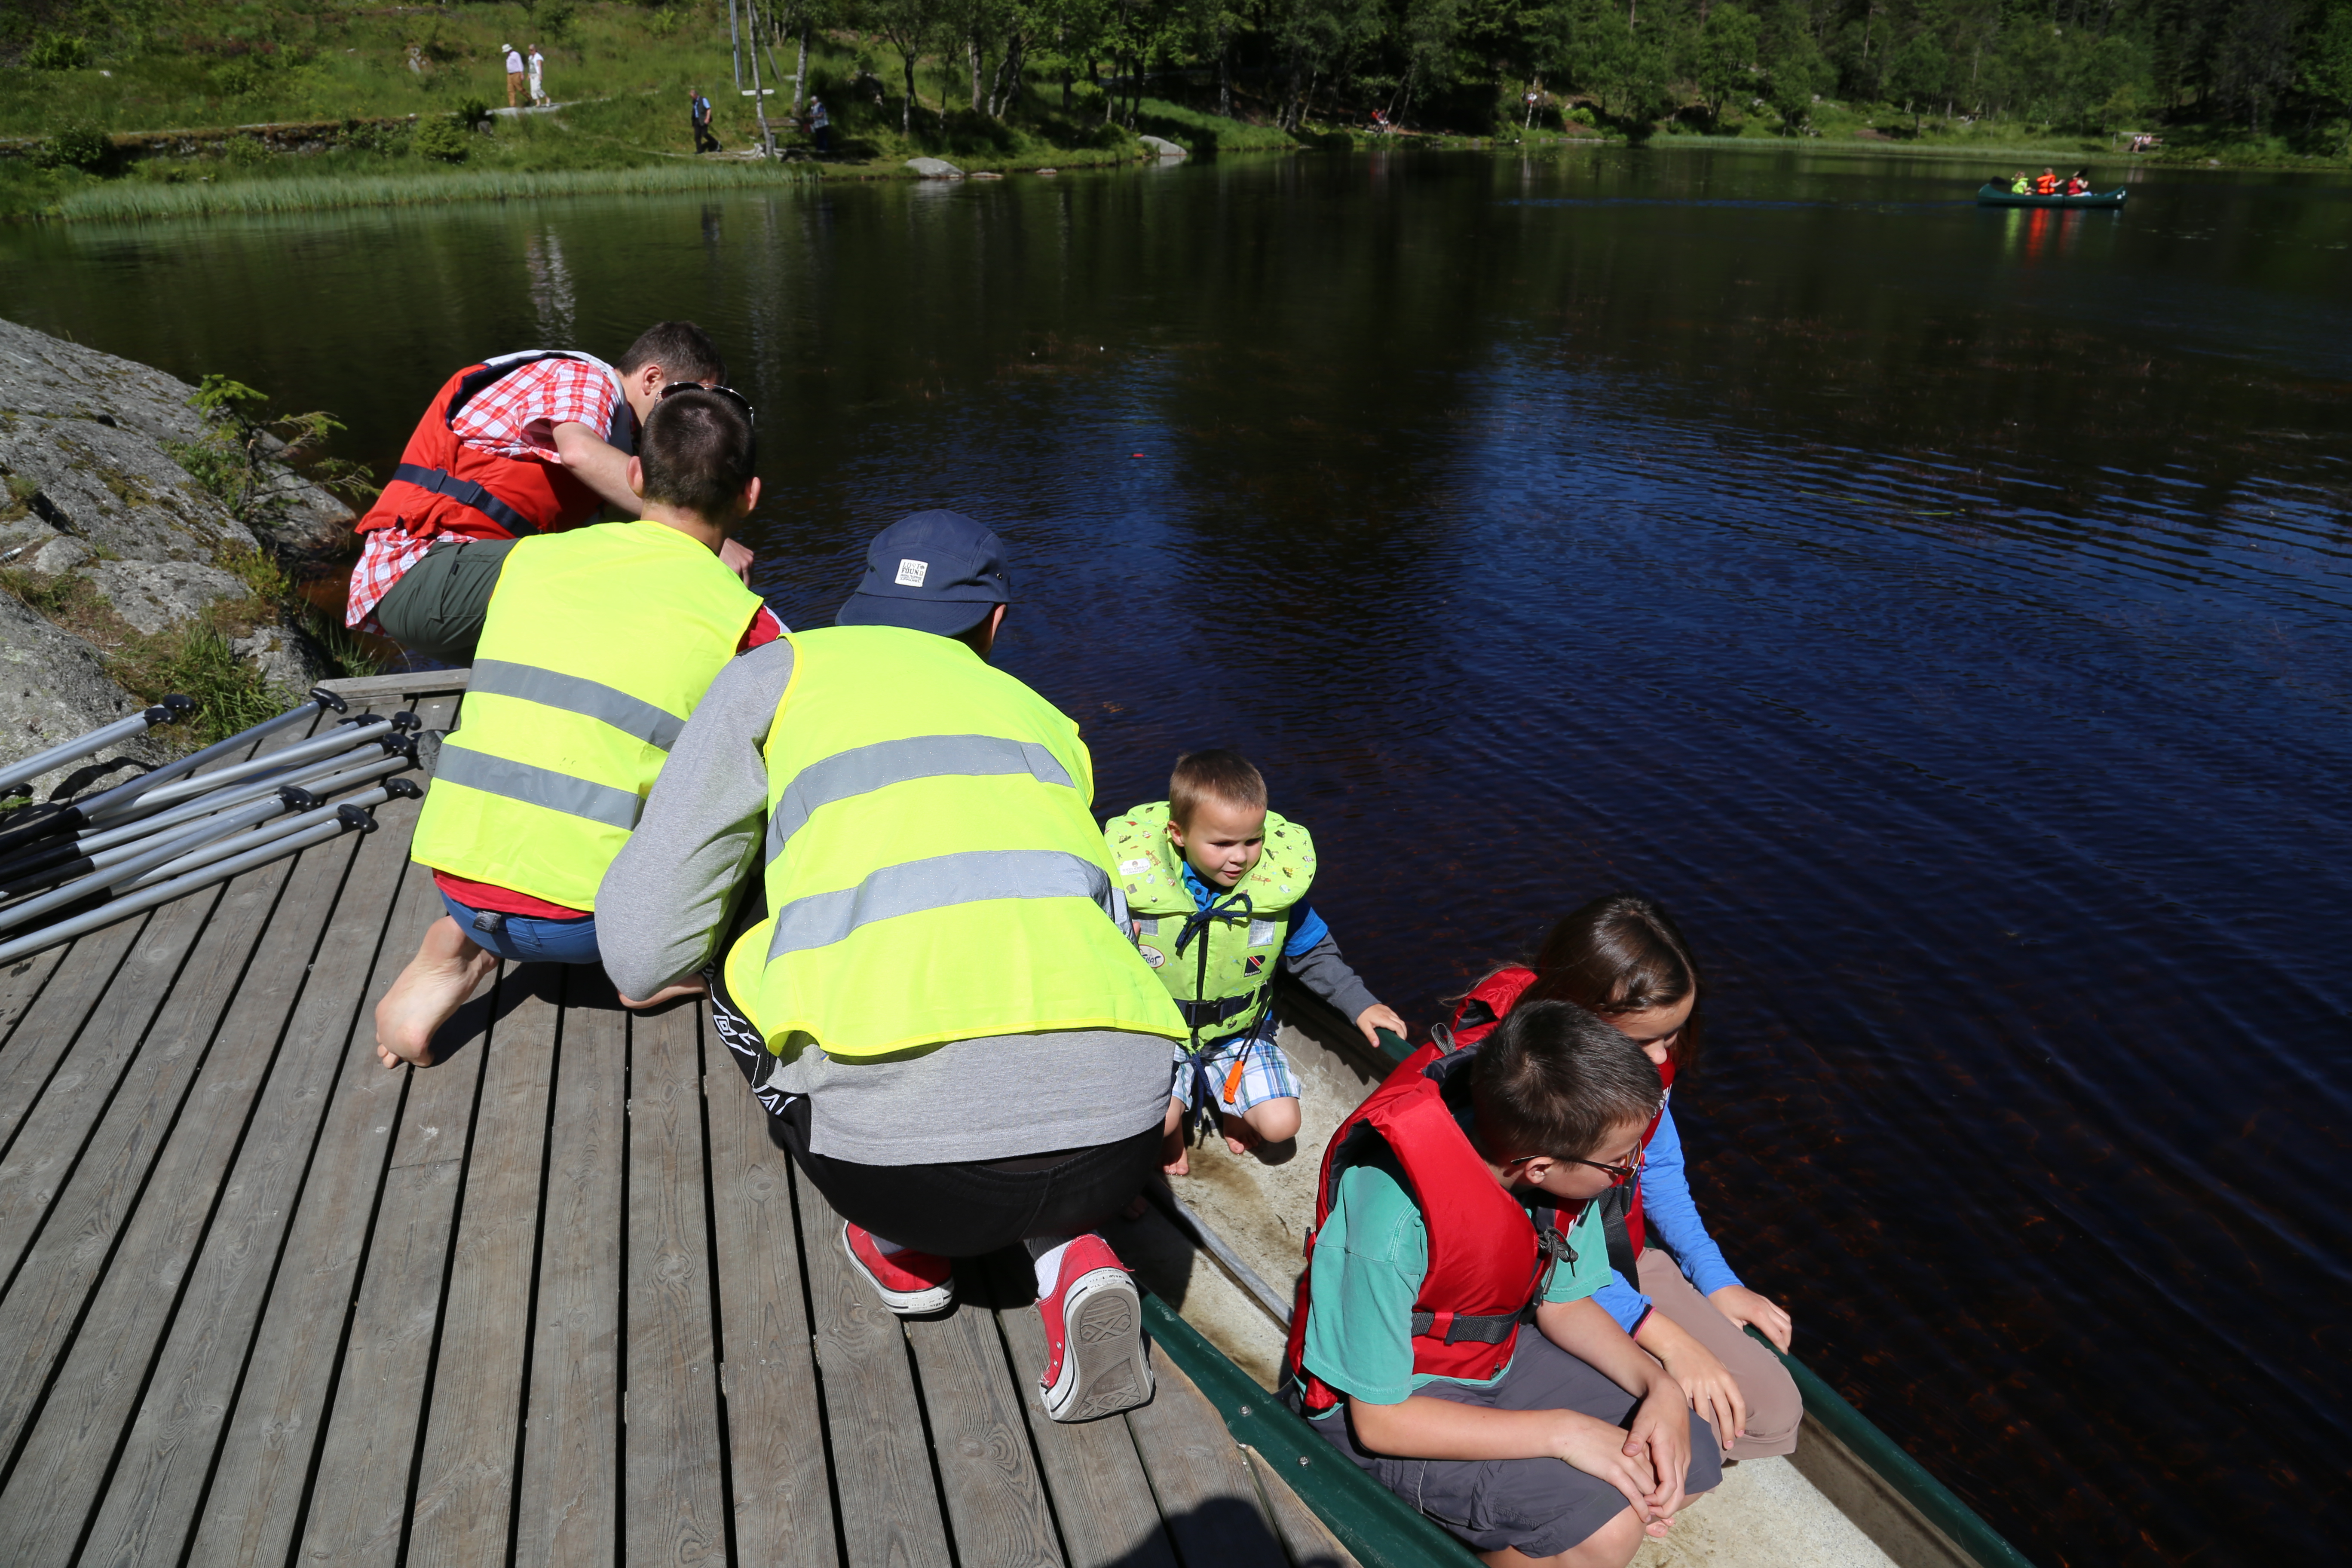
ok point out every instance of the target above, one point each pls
(1370, 1257)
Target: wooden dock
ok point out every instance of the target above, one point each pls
(557, 1300)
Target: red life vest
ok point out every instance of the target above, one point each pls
(444, 485)
(1488, 1261)
(2045, 184)
(1484, 1008)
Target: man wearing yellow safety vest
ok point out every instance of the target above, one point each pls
(938, 999)
(595, 648)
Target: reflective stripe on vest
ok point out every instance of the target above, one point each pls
(886, 762)
(1204, 957)
(933, 869)
(542, 784)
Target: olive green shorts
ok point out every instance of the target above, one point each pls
(437, 608)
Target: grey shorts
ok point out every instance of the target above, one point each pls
(1540, 1507)
(437, 607)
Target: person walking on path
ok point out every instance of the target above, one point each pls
(538, 67)
(534, 442)
(515, 84)
(938, 999)
(598, 646)
(820, 126)
(698, 113)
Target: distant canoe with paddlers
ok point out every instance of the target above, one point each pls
(1993, 194)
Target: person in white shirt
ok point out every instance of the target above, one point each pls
(514, 74)
(539, 99)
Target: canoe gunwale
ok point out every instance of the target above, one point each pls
(1994, 196)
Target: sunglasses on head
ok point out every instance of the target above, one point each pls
(729, 393)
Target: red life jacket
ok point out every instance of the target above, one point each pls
(444, 485)
(2045, 184)
(1484, 1008)
(1487, 1260)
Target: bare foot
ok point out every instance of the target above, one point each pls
(694, 987)
(1174, 1158)
(438, 981)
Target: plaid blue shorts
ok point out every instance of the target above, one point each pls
(1245, 1071)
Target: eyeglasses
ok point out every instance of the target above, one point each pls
(1618, 1174)
(729, 393)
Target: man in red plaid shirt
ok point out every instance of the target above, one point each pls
(531, 442)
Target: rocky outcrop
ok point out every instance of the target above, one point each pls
(1163, 147)
(934, 168)
(108, 544)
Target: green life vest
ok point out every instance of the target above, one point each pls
(1218, 963)
(597, 646)
(933, 871)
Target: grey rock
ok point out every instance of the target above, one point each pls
(935, 169)
(61, 553)
(153, 596)
(287, 659)
(1165, 148)
(52, 687)
(118, 490)
(46, 376)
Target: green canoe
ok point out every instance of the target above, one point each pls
(1992, 194)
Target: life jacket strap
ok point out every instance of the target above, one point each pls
(466, 493)
(1455, 1328)
(1209, 1014)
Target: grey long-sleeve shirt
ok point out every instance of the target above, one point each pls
(667, 900)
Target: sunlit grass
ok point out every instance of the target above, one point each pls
(131, 199)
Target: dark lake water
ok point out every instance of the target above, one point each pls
(1942, 611)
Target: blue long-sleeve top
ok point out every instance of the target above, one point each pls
(1308, 951)
(1671, 1217)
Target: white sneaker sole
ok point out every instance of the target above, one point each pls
(1104, 1368)
(905, 1303)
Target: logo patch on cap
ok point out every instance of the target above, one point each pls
(911, 572)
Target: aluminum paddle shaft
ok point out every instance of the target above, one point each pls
(345, 819)
(20, 774)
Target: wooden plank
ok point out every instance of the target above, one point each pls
(784, 1502)
(255, 1504)
(189, 1102)
(465, 1479)
(1100, 1493)
(674, 1506)
(1308, 1540)
(1199, 1475)
(358, 688)
(995, 1496)
(325, 1073)
(58, 1123)
(889, 1508)
(566, 1509)
(367, 1451)
(21, 987)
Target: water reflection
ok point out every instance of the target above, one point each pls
(1941, 609)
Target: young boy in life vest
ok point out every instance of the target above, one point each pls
(1216, 885)
(1446, 1339)
(595, 649)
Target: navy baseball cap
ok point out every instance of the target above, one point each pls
(934, 571)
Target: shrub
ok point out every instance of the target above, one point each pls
(244, 151)
(441, 137)
(58, 52)
(470, 112)
(79, 145)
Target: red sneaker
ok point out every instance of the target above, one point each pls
(1094, 1364)
(910, 1283)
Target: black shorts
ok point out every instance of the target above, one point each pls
(1540, 1507)
(963, 1209)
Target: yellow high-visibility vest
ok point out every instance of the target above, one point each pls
(933, 869)
(597, 646)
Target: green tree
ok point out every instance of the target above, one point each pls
(1795, 70)
(1724, 64)
(2327, 60)
(1919, 73)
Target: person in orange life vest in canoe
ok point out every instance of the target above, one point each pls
(534, 442)
(1446, 1339)
(1620, 957)
(2046, 182)
(599, 647)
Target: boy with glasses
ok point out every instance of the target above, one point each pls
(1446, 1339)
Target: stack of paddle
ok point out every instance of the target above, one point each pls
(88, 863)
